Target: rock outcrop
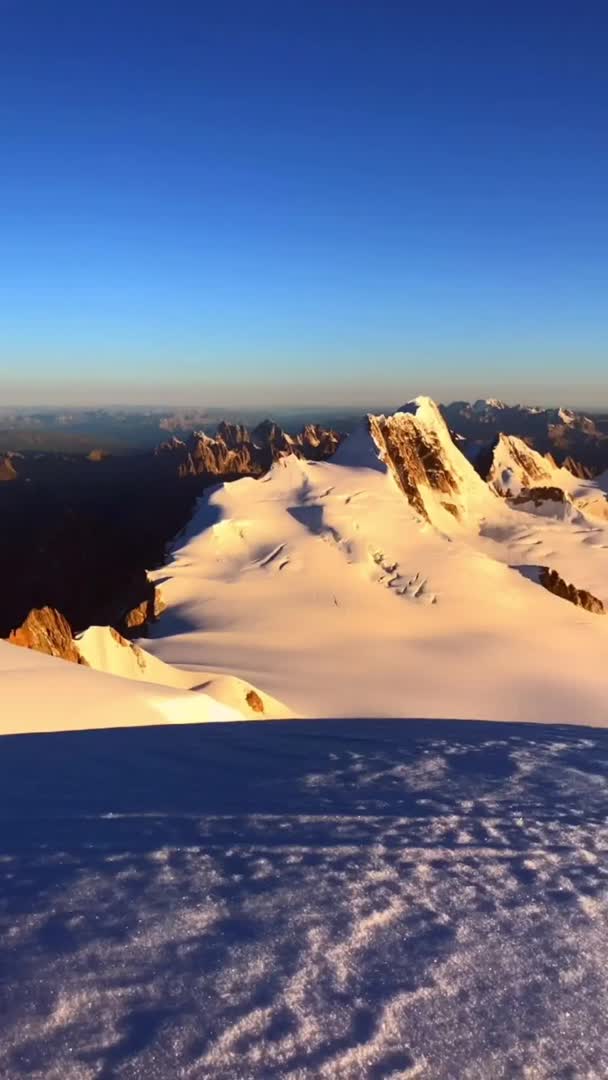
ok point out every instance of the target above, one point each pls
(317, 443)
(582, 472)
(552, 581)
(47, 631)
(254, 701)
(135, 651)
(538, 495)
(136, 621)
(7, 468)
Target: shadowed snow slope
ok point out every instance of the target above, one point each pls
(350, 587)
(344, 900)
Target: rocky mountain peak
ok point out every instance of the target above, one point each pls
(513, 466)
(425, 410)
(414, 453)
(268, 432)
(47, 631)
(233, 435)
(483, 405)
(235, 451)
(415, 445)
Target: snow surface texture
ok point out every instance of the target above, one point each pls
(327, 588)
(341, 900)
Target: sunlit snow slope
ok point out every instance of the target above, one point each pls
(105, 650)
(43, 693)
(389, 582)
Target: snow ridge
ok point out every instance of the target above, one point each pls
(365, 584)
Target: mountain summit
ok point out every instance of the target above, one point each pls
(415, 446)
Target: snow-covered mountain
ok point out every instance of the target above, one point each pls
(487, 405)
(519, 473)
(515, 467)
(365, 585)
(416, 448)
(372, 891)
(492, 411)
(392, 580)
(574, 439)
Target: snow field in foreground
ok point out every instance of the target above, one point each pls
(349, 899)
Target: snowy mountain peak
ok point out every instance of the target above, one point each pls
(425, 410)
(486, 404)
(567, 416)
(414, 445)
(517, 472)
(514, 467)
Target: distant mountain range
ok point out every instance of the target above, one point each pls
(577, 441)
(565, 432)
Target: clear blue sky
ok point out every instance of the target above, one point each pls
(321, 201)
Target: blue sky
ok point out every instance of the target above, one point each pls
(324, 202)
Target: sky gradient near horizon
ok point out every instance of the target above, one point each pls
(331, 202)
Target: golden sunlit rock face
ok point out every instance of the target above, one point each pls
(236, 451)
(416, 458)
(47, 631)
(7, 468)
(254, 701)
(552, 581)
